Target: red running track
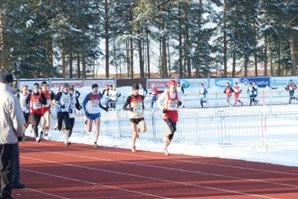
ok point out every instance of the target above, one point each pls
(50, 170)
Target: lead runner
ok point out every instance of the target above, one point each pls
(170, 100)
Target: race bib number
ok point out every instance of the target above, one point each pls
(173, 106)
(93, 106)
(36, 105)
(138, 109)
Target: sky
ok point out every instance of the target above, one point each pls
(277, 146)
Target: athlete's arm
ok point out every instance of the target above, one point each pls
(160, 100)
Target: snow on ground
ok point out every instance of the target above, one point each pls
(281, 134)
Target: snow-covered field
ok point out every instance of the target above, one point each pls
(275, 124)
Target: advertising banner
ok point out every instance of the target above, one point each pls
(276, 82)
(261, 82)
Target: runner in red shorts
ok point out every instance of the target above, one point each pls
(170, 100)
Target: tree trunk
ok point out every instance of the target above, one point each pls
(84, 75)
(141, 60)
(271, 61)
(148, 52)
(246, 59)
(64, 65)
(164, 71)
(180, 43)
(256, 65)
(78, 66)
(266, 57)
(279, 58)
(292, 49)
(4, 55)
(234, 65)
(187, 43)
(128, 61)
(107, 38)
(49, 46)
(131, 58)
(70, 65)
(225, 42)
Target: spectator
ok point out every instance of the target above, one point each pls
(154, 92)
(291, 87)
(12, 126)
(106, 95)
(142, 91)
(16, 183)
(114, 95)
(203, 94)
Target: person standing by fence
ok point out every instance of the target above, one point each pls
(291, 87)
(12, 126)
(170, 100)
(134, 104)
(203, 94)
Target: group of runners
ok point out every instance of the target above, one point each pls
(36, 106)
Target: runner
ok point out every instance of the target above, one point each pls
(228, 91)
(291, 87)
(237, 91)
(46, 110)
(24, 104)
(91, 105)
(170, 100)
(63, 103)
(36, 100)
(135, 106)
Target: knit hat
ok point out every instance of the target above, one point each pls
(171, 82)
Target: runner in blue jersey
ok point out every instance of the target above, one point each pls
(91, 106)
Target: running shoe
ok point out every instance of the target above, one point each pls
(133, 149)
(165, 151)
(37, 140)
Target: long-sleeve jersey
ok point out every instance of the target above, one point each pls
(91, 103)
(135, 105)
(65, 100)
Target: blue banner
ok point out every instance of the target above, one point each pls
(261, 82)
(222, 82)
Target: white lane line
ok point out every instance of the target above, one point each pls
(186, 161)
(45, 193)
(83, 181)
(152, 178)
(176, 169)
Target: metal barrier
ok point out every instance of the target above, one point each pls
(195, 126)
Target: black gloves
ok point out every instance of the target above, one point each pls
(62, 106)
(78, 106)
(106, 109)
(164, 110)
(179, 103)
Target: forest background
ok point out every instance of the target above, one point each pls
(148, 38)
